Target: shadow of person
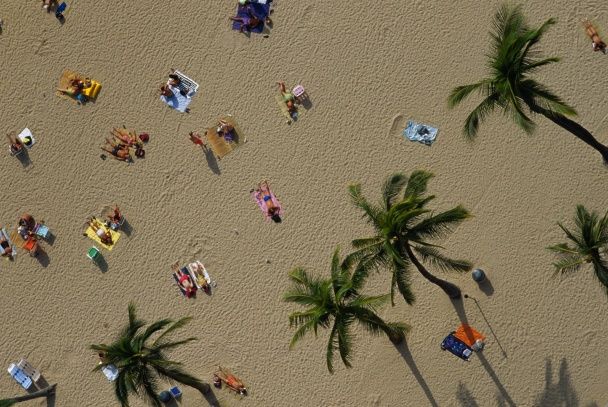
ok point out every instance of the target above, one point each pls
(504, 394)
(465, 397)
(405, 353)
(211, 399)
(126, 227)
(560, 393)
(212, 161)
(43, 258)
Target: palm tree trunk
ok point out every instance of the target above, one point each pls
(49, 391)
(576, 129)
(450, 289)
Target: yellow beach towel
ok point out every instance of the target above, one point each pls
(115, 236)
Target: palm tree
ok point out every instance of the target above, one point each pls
(141, 361)
(512, 59)
(590, 245)
(46, 392)
(403, 226)
(337, 300)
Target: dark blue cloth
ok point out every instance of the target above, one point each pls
(261, 11)
(456, 346)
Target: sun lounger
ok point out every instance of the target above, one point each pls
(196, 277)
(26, 138)
(20, 377)
(115, 236)
(219, 145)
(41, 230)
(29, 370)
(93, 253)
(456, 347)
(8, 239)
(186, 84)
(110, 371)
(178, 101)
(420, 132)
(259, 199)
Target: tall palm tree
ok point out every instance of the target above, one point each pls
(589, 241)
(512, 59)
(403, 225)
(46, 392)
(141, 361)
(337, 300)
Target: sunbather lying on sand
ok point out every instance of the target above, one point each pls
(263, 192)
(225, 129)
(15, 145)
(104, 236)
(8, 250)
(596, 42)
(232, 381)
(288, 97)
(184, 281)
(75, 89)
(125, 136)
(46, 4)
(118, 150)
(198, 269)
(249, 22)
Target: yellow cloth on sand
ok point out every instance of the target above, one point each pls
(115, 236)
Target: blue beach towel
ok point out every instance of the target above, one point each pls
(456, 347)
(261, 11)
(178, 101)
(420, 132)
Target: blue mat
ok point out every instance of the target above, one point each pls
(420, 132)
(457, 347)
(261, 11)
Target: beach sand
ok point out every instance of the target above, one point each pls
(368, 68)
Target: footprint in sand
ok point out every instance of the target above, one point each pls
(398, 125)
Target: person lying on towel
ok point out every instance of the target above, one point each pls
(226, 130)
(104, 236)
(184, 281)
(288, 98)
(263, 193)
(75, 89)
(250, 21)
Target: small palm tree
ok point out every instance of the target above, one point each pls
(512, 60)
(403, 225)
(141, 361)
(589, 245)
(337, 300)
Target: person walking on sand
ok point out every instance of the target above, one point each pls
(596, 41)
(196, 138)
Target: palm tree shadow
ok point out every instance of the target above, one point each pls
(211, 399)
(459, 307)
(465, 397)
(404, 350)
(560, 393)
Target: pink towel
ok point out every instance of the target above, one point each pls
(259, 199)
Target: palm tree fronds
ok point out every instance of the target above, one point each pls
(344, 342)
(300, 332)
(417, 183)
(439, 225)
(478, 115)
(392, 187)
(433, 257)
(370, 212)
(180, 323)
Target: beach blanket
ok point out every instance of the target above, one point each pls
(259, 199)
(197, 277)
(285, 111)
(456, 347)
(115, 236)
(178, 101)
(420, 132)
(259, 10)
(469, 335)
(8, 239)
(219, 145)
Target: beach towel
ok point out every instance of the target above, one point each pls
(181, 289)
(178, 101)
(259, 199)
(26, 138)
(456, 347)
(115, 236)
(219, 145)
(469, 335)
(10, 243)
(420, 132)
(258, 9)
(285, 111)
(110, 371)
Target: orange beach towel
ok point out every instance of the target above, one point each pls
(468, 334)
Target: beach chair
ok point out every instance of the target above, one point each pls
(197, 277)
(29, 370)
(26, 138)
(93, 253)
(219, 145)
(419, 132)
(299, 94)
(41, 230)
(110, 371)
(456, 347)
(176, 392)
(186, 84)
(20, 377)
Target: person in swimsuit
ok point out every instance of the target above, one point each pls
(225, 129)
(263, 192)
(46, 4)
(75, 89)
(6, 246)
(196, 138)
(184, 281)
(288, 98)
(15, 145)
(596, 42)
(232, 381)
(248, 22)
(119, 151)
(105, 237)
(200, 276)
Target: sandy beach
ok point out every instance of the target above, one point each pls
(368, 67)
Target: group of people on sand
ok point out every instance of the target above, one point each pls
(121, 143)
(27, 231)
(102, 228)
(224, 129)
(250, 20)
(186, 282)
